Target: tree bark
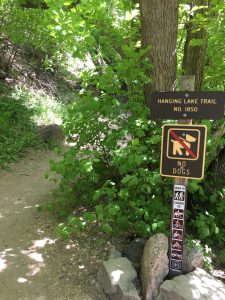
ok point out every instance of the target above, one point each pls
(194, 55)
(159, 22)
(216, 137)
(33, 4)
(41, 4)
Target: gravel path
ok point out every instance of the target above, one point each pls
(34, 263)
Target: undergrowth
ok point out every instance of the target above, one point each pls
(21, 111)
(17, 130)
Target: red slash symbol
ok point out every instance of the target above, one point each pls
(193, 155)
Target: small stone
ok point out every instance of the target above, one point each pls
(192, 258)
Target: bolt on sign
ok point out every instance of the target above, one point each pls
(183, 151)
(177, 229)
(187, 105)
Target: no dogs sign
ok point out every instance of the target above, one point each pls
(183, 151)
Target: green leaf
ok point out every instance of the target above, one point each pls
(141, 227)
(66, 3)
(135, 142)
(123, 222)
(154, 226)
(125, 179)
(113, 209)
(155, 139)
(140, 133)
(197, 42)
(124, 194)
(107, 228)
(99, 209)
(86, 166)
(89, 217)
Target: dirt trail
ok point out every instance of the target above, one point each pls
(34, 263)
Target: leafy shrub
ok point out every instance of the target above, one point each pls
(112, 171)
(206, 214)
(207, 221)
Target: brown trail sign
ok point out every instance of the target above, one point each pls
(187, 105)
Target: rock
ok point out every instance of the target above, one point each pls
(134, 251)
(192, 258)
(137, 285)
(154, 265)
(126, 291)
(195, 285)
(114, 254)
(3, 74)
(116, 277)
(9, 80)
(52, 132)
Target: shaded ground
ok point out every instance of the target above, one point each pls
(34, 263)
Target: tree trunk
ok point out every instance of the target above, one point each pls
(194, 55)
(159, 22)
(33, 4)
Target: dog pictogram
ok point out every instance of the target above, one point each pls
(178, 147)
(183, 144)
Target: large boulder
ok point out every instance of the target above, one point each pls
(195, 285)
(154, 265)
(117, 277)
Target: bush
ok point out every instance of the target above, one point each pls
(112, 172)
(17, 130)
(207, 218)
(111, 176)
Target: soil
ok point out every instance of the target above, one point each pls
(35, 264)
